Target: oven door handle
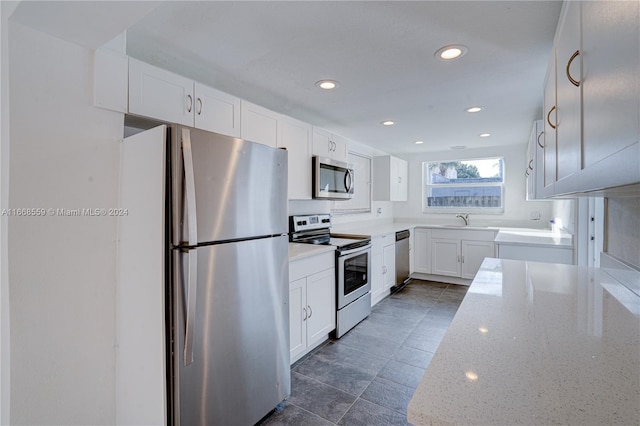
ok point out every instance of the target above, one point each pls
(355, 250)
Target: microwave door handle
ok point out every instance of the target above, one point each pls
(192, 280)
(348, 181)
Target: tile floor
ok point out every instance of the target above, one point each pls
(369, 375)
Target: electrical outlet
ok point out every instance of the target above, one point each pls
(535, 215)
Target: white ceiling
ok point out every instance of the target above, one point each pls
(381, 52)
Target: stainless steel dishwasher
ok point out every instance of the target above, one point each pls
(402, 259)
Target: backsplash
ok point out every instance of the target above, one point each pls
(622, 235)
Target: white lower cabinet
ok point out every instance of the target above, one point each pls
(473, 253)
(459, 253)
(422, 252)
(312, 303)
(383, 266)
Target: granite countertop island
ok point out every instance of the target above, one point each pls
(536, 343)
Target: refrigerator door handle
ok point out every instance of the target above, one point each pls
(190, 193)
(190, 187)
(190, 307)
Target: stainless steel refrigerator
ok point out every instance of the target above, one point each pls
(229, 316)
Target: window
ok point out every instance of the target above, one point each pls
(361, 201)
(463, 185)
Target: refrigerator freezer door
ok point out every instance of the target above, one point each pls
(240, 187)
(240, 369)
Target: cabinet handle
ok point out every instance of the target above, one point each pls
(531, 164)
(199, 111)
(190, 105)
(526, 173)
(539, 144)
(305, 314)
(310, 311)
(458, 258)
(571, 79)
(384, 270)
(549, 116)
(399, 179)
(462, 259)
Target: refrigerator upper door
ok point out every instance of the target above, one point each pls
(240, 369)
(240, 187)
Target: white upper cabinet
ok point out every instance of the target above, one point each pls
(327, 144)
(258, 124)
(389, 178)
(163, 95)
(611, 88)
(296, 136)
(216, 111)
(535, 159)
(597, 126)
(549, 151)
(568, 92)
(160, 94)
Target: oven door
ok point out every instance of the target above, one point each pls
(354, 270)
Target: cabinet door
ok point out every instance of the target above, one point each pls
(402, 180)
(550, 129)
(473, 253)
(321, 305)
(535, 160)
(389, 261)
(422, 253)
(217, 111)
(160, 94)
(340, 148)
(295, 136)
(611, 93)
(445, 257)
(568, 93)
(322, 145)
(377, 277)
(297, 317)
(258, 124)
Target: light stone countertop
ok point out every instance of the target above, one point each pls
(370, 229)
(536, 343)
(527, 237)
(299, 251)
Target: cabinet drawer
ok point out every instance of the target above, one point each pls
(310, 265)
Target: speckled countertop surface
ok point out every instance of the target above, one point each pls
(299, 251)
(536, 343)
(534, 237)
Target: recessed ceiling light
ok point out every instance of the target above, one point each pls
(452, 51)
(474, 109)
(458, 147)
(419, 142)
(485, 135)
(388, 123)
(327, 84)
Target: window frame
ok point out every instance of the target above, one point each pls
(425, 187)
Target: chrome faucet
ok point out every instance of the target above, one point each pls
(464, 217)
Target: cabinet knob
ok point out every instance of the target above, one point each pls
(539, 144)
(571, 79)
(553, 108)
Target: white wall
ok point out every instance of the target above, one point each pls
(517, 209)
(64, 154)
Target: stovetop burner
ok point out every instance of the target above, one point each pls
(316, 229)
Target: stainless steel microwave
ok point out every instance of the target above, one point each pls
(332, 180)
